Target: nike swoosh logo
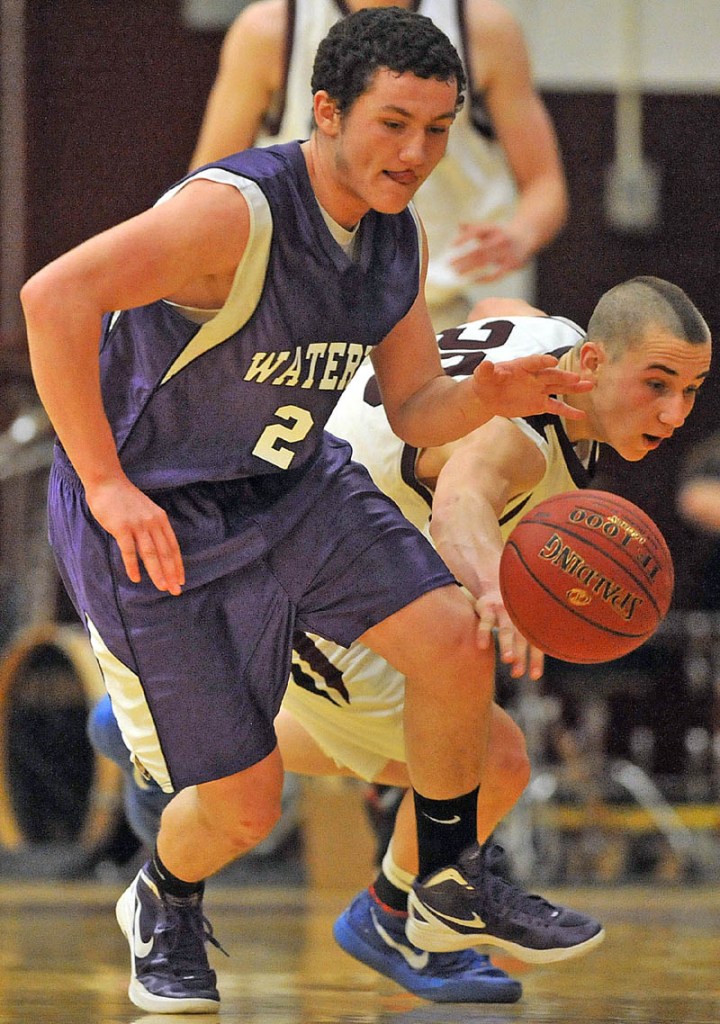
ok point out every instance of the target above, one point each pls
(474, 919)
(450, 874)
(443, 821)
(415, 960)
(141, 948)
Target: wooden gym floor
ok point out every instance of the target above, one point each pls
(63, 960)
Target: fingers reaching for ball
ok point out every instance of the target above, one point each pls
(514, 650)
(519, 655)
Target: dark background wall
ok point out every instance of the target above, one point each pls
(116, 93)
(115, 96)
(682, 136)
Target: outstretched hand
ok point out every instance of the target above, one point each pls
(528, 386)
(487, 251)
(515, 651)
(142, 531)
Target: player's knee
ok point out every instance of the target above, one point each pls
(252, 830)
(248, 827)
(243, 808)
(460, 649)
(452, 626)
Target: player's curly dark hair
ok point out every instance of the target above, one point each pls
(382, 37)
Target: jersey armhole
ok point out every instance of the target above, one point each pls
(249, 277)
(419, 229)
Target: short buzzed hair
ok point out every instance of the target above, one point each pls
(625, 312)
(356, 47)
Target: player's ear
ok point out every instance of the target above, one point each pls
(592, 356)
(327, 115)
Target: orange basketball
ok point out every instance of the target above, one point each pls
(586, 576)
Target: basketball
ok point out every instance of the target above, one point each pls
(586, 576)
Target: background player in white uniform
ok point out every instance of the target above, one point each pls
(648, 351)
(699, 493)
(499, 194)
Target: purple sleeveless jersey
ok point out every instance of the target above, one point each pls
(283, 371)
(279, 530)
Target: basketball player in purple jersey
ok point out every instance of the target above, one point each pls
(200, 515)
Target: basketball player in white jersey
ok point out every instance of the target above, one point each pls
(499, 194)
(648, 351)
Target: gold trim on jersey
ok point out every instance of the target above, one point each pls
(251, 270)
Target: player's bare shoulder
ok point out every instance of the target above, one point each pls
(260, 29)
(494, 37)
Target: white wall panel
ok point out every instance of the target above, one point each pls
(580, 44)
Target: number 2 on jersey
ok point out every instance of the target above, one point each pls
(296, 426)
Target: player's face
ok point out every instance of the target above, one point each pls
(644, 396)
(390, 140)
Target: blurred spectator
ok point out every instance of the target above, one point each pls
(699, 488)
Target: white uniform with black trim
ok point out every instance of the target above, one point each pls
(350, 700)
(472, 182)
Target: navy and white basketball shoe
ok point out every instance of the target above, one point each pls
(170, 972)
(471, 904)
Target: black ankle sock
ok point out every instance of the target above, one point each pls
(388, 893)
(167, 882)
(444, 829)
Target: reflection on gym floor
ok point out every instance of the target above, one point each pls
(63, 960)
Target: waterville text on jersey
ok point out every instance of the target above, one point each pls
(327, 366)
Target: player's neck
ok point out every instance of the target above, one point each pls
(345, 210)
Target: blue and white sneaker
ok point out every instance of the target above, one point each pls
(471, 904)
(375, 935)
(170, 972)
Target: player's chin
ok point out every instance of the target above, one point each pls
(396, 194)
(393, 204)
(638, 450)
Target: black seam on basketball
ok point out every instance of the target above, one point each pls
(568, 608)
(587, 540)
(600, 502)
(551, 651)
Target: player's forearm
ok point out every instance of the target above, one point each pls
(468, 497)
(541, 212)
(63, 345)
(443, 410)
(464, 529)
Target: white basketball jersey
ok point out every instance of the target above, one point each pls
(360, 418)
(350, 700)
(471, 183)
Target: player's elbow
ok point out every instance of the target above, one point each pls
(55, 292)
(29, 294)
(405, 426)
(36, 298)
